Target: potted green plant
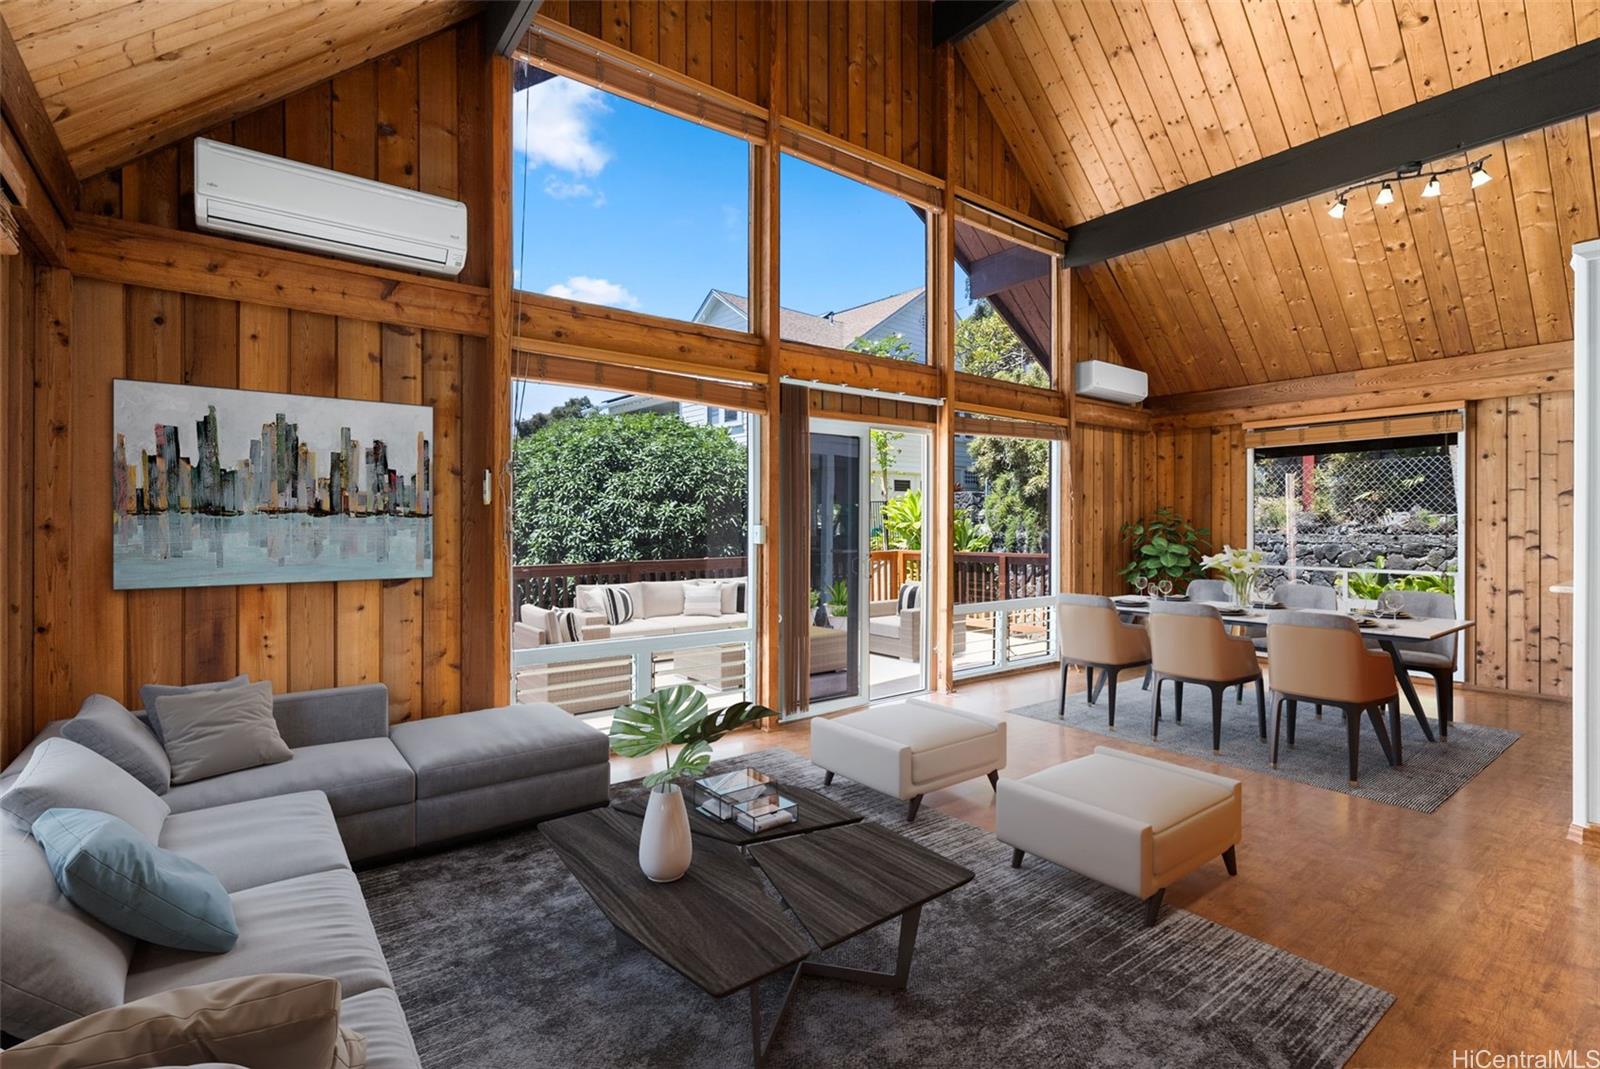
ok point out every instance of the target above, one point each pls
(839, 605)
(1165, 546)
(673, 716)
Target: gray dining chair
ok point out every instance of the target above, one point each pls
(1208, 590)
(1436, 659)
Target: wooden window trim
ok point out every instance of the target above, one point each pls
(841, 157)
(615, 378)
(1325, 432)
(986, 215)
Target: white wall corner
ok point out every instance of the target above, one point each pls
(1586, 541)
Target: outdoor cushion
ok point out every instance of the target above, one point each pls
(316, 924)
(209, 733)
(62, 773)
(151, 694)
(377, 1017)
(59, 962)
(678, 625)
(118, 877)
(489, 746)
(663, 598)
(282, 1021)
(247, 844)
(356, 776)
(107, 728)
(702, 601)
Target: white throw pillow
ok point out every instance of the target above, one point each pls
(62, 774)
(702, 601)
(660, 599)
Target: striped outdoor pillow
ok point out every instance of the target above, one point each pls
(566, 625)
(910, 597)
(618, 604)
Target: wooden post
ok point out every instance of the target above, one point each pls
(764, 317)
(941, 540)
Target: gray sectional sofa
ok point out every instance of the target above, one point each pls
(281, 838)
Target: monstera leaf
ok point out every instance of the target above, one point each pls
(641, 728)
(716, 725)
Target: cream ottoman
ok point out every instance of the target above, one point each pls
(909, 748)
(1132, 822)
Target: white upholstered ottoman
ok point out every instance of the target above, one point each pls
(909, 748)
(1132, 822)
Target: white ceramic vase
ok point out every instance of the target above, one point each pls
(665, 846)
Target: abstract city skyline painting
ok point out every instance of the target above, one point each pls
(219, 487)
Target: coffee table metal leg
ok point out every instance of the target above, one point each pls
(761, 1039)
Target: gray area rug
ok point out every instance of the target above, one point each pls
(1320, 756)
(502, 960)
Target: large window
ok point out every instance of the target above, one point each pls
(853, 265)
(1360, 517)
(630, 529)
(1005, 307)
(1004, 533)
(618, 204)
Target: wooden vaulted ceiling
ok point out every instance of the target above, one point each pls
(1107, 104)
(121, 77)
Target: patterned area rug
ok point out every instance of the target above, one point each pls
(502, 960)
(1320, 756)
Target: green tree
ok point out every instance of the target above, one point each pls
(1016, 502)
(884, 444)
(643, 486)
(569, 409)
(893, 347)
(986, 345)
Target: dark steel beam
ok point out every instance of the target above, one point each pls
(954, 19)
(1529, 97)
(506, 21)
(1002, 270)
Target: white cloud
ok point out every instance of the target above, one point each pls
(593, 291)
(561, 189)
(552, 124)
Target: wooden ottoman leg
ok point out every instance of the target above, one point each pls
(827, 779)
(1152, 908)
(911, 810)
(994, 779)
(1230, 860)
(1016, 858)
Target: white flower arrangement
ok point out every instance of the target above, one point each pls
(1238, 567)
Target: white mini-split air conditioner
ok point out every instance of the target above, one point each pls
(1110, 382)
(254, 195)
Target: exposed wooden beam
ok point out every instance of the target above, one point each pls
(9, 235)
(142, 255)
(1543, 368)
(570, 328)
(505, 21)
(34, 214)
(1004, 269)
(24, 112)
(1529, 97)
(955, 19)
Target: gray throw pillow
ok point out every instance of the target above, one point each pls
(151, 693)
(210, 732)
(104, 726)
(62, 774)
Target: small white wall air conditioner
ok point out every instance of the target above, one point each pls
(1110, 382)
(254, 195)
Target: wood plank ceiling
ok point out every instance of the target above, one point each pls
(121, 78)
(1110, 103)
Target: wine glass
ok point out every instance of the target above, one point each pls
(1164, 588)
(1391, 603)
(1141, 583)
(1261, 589)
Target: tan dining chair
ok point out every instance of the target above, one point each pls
(1300, 595)
(1090, 635)
(1321, 657)
(1189, 644)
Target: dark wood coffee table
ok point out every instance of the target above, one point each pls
(816, 812)
(718, 927)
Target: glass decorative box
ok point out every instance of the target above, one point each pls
(764, 812)
(717, 796)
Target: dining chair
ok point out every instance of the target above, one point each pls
(1189, 644)
(1321, 657)
(1208, 590)
(1437, 658)
(1091, 635)
(1296, 594)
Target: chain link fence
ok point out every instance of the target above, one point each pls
(1360, 520)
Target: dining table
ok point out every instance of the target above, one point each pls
(1392, 634)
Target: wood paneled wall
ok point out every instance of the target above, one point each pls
(986, 164)
(1519, 486)
(1111, 486)
(20, 334)
(415, 118)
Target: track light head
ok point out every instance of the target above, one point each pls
(1432, 188)
(1480, 177)
(1336, 209)
(1385, 195)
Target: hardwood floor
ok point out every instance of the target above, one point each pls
(1483, 919)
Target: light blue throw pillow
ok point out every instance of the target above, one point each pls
(114, 874)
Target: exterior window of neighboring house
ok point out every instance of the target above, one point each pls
(1005, 307)
(618, 204)
(627, 575)
(902, 485)
(853, 270)
(1004, 529)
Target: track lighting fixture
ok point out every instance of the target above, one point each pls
(1431, 188)
(1385, 195)
(1480, 177)
(1337, 210)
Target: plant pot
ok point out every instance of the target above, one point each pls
(665, 846)
(839, 621)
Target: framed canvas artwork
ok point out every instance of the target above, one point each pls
(219, 487)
